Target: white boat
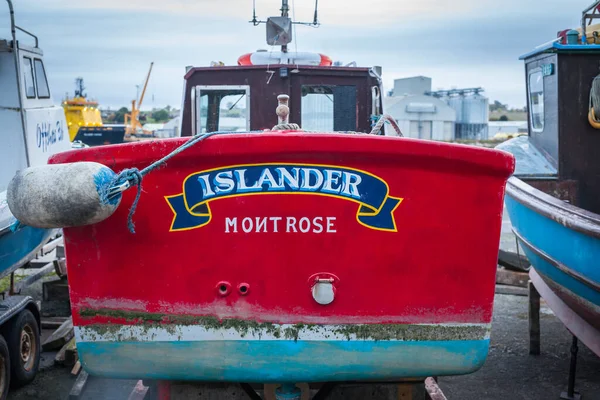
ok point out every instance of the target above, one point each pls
(33, 129)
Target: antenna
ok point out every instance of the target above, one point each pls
(79, 88)
(279, 29)
(254, 21)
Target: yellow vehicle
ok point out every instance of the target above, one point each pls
(85, 121)
(81, 112)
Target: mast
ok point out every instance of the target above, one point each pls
(79, 88)
(279, 29)
(284, 13)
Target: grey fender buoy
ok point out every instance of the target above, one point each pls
(62, 195)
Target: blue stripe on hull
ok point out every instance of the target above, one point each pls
(281, 361)
(549, 271)
(573, 249)
(17, 247)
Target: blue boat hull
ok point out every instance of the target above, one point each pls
(562, 242)
(20, 246)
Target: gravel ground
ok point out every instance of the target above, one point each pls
(511, 373)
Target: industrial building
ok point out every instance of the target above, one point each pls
(442, 115)
(422, 116)
(419, 115)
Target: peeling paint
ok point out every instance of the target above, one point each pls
(239, 310)
(146, 323)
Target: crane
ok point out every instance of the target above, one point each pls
(132, 122)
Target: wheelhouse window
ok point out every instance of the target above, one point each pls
(28, 78)
(223, 108)
(328, 108)
(40, 80)
(536, 99)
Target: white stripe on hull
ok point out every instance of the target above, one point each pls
(173, 333)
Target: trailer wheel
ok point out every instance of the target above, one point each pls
(4, 369)
(23, 339)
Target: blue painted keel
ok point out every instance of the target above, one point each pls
(275, 361)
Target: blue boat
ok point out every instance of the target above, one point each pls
(562, 242)
(18, 244)
(553, 199)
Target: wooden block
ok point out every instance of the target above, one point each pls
(79, 385)
(511, 278)
(139, 391)
(269, 391)
(76, 368)
(60, 336)
(405, 392)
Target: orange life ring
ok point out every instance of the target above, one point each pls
(277, 57)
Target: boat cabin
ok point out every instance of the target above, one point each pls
(322, 96)
(33, 127)
(244, 97)
(560, 154)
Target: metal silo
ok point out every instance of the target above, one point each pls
(476, 109)
(475, 117)
(472, 111)
(456, 102)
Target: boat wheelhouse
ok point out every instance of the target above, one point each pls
(326, 98)
(323, 95)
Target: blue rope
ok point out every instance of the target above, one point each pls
(134, 176)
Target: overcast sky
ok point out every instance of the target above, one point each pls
(459, 43)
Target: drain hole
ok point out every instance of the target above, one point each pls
(223, 289)
(243, 288)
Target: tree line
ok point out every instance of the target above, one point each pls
(155, 116)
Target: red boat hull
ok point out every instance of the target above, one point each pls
(406, 232)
